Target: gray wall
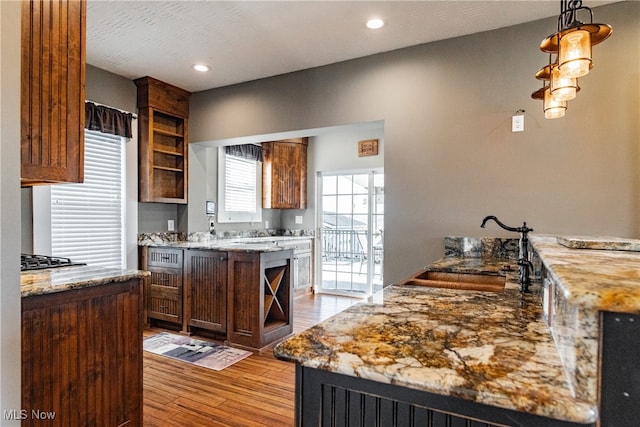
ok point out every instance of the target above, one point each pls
(450, 155)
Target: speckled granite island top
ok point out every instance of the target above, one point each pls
(599, 280)
(40, 282)
(490, 348)
(249, 244)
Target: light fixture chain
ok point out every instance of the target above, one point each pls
(568, 12)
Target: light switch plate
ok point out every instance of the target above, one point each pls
(517, 123)
(298, 219)
(170, 225)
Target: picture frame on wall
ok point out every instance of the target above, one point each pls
(368, 147)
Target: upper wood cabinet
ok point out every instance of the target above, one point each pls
(163, 112)
(284, 174)
(52, 91)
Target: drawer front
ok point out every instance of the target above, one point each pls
(296, 245)
(164, 306)
(164, 257)
(166, 279)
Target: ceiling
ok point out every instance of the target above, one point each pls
(249, 40)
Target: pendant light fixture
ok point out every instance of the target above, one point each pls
(572, 45)
(552, 107)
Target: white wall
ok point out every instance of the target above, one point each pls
(10, 367)
(450, 156)
(330, 149)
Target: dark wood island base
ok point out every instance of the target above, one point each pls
(326, 398)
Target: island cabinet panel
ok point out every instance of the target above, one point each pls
(206, 289)
(82, 356)
(52, 91)
(164, 291)
(284, 174)
(260, 298)
(327, 399)
(619, 378)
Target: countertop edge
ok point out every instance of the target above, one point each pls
(50, 281)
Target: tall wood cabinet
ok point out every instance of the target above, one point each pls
(163, 112)
(284, 174)
(52, 91)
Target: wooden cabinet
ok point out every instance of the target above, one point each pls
(52, 91)
(163, 112)
(284, 174)
(205, 275)
(82, 356)
(164, 292)
(244, 296)
(260, 298)
(302, 263)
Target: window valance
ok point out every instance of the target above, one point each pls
(246, 151)
(107, 120)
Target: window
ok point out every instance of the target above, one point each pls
(87, 220)
(239, 189)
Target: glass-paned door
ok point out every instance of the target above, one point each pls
(351, 210)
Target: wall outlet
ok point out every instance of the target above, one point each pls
(517, 123)
(298, 219)
(171, 225)
(266, 225)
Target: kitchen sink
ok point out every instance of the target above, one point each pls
(464, 281)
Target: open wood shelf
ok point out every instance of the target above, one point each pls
(163, 117)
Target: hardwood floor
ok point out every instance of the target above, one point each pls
(257, 391)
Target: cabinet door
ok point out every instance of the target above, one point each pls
(205, 275)
(302, 270)
(285, 174)
(302, 262)
(52, 91)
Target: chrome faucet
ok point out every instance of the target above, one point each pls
(524, 265)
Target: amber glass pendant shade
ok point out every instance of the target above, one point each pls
(574, 54)
(553, 109)
(562, 88)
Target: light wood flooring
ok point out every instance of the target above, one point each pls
(257, 391)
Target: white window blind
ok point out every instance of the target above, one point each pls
(240, 185)
(239, 189)
(87, 220)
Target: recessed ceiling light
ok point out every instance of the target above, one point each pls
(375, 23)
(201, 67)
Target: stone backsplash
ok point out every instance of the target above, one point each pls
(481, 247)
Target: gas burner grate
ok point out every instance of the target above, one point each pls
(39, 262)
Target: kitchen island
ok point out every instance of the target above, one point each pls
(436, 356)
(82, 346)
(240, 290)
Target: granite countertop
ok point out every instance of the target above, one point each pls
(474, 265)
(595, 279)
(490, 348)
(244, 244)
(40, 282)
